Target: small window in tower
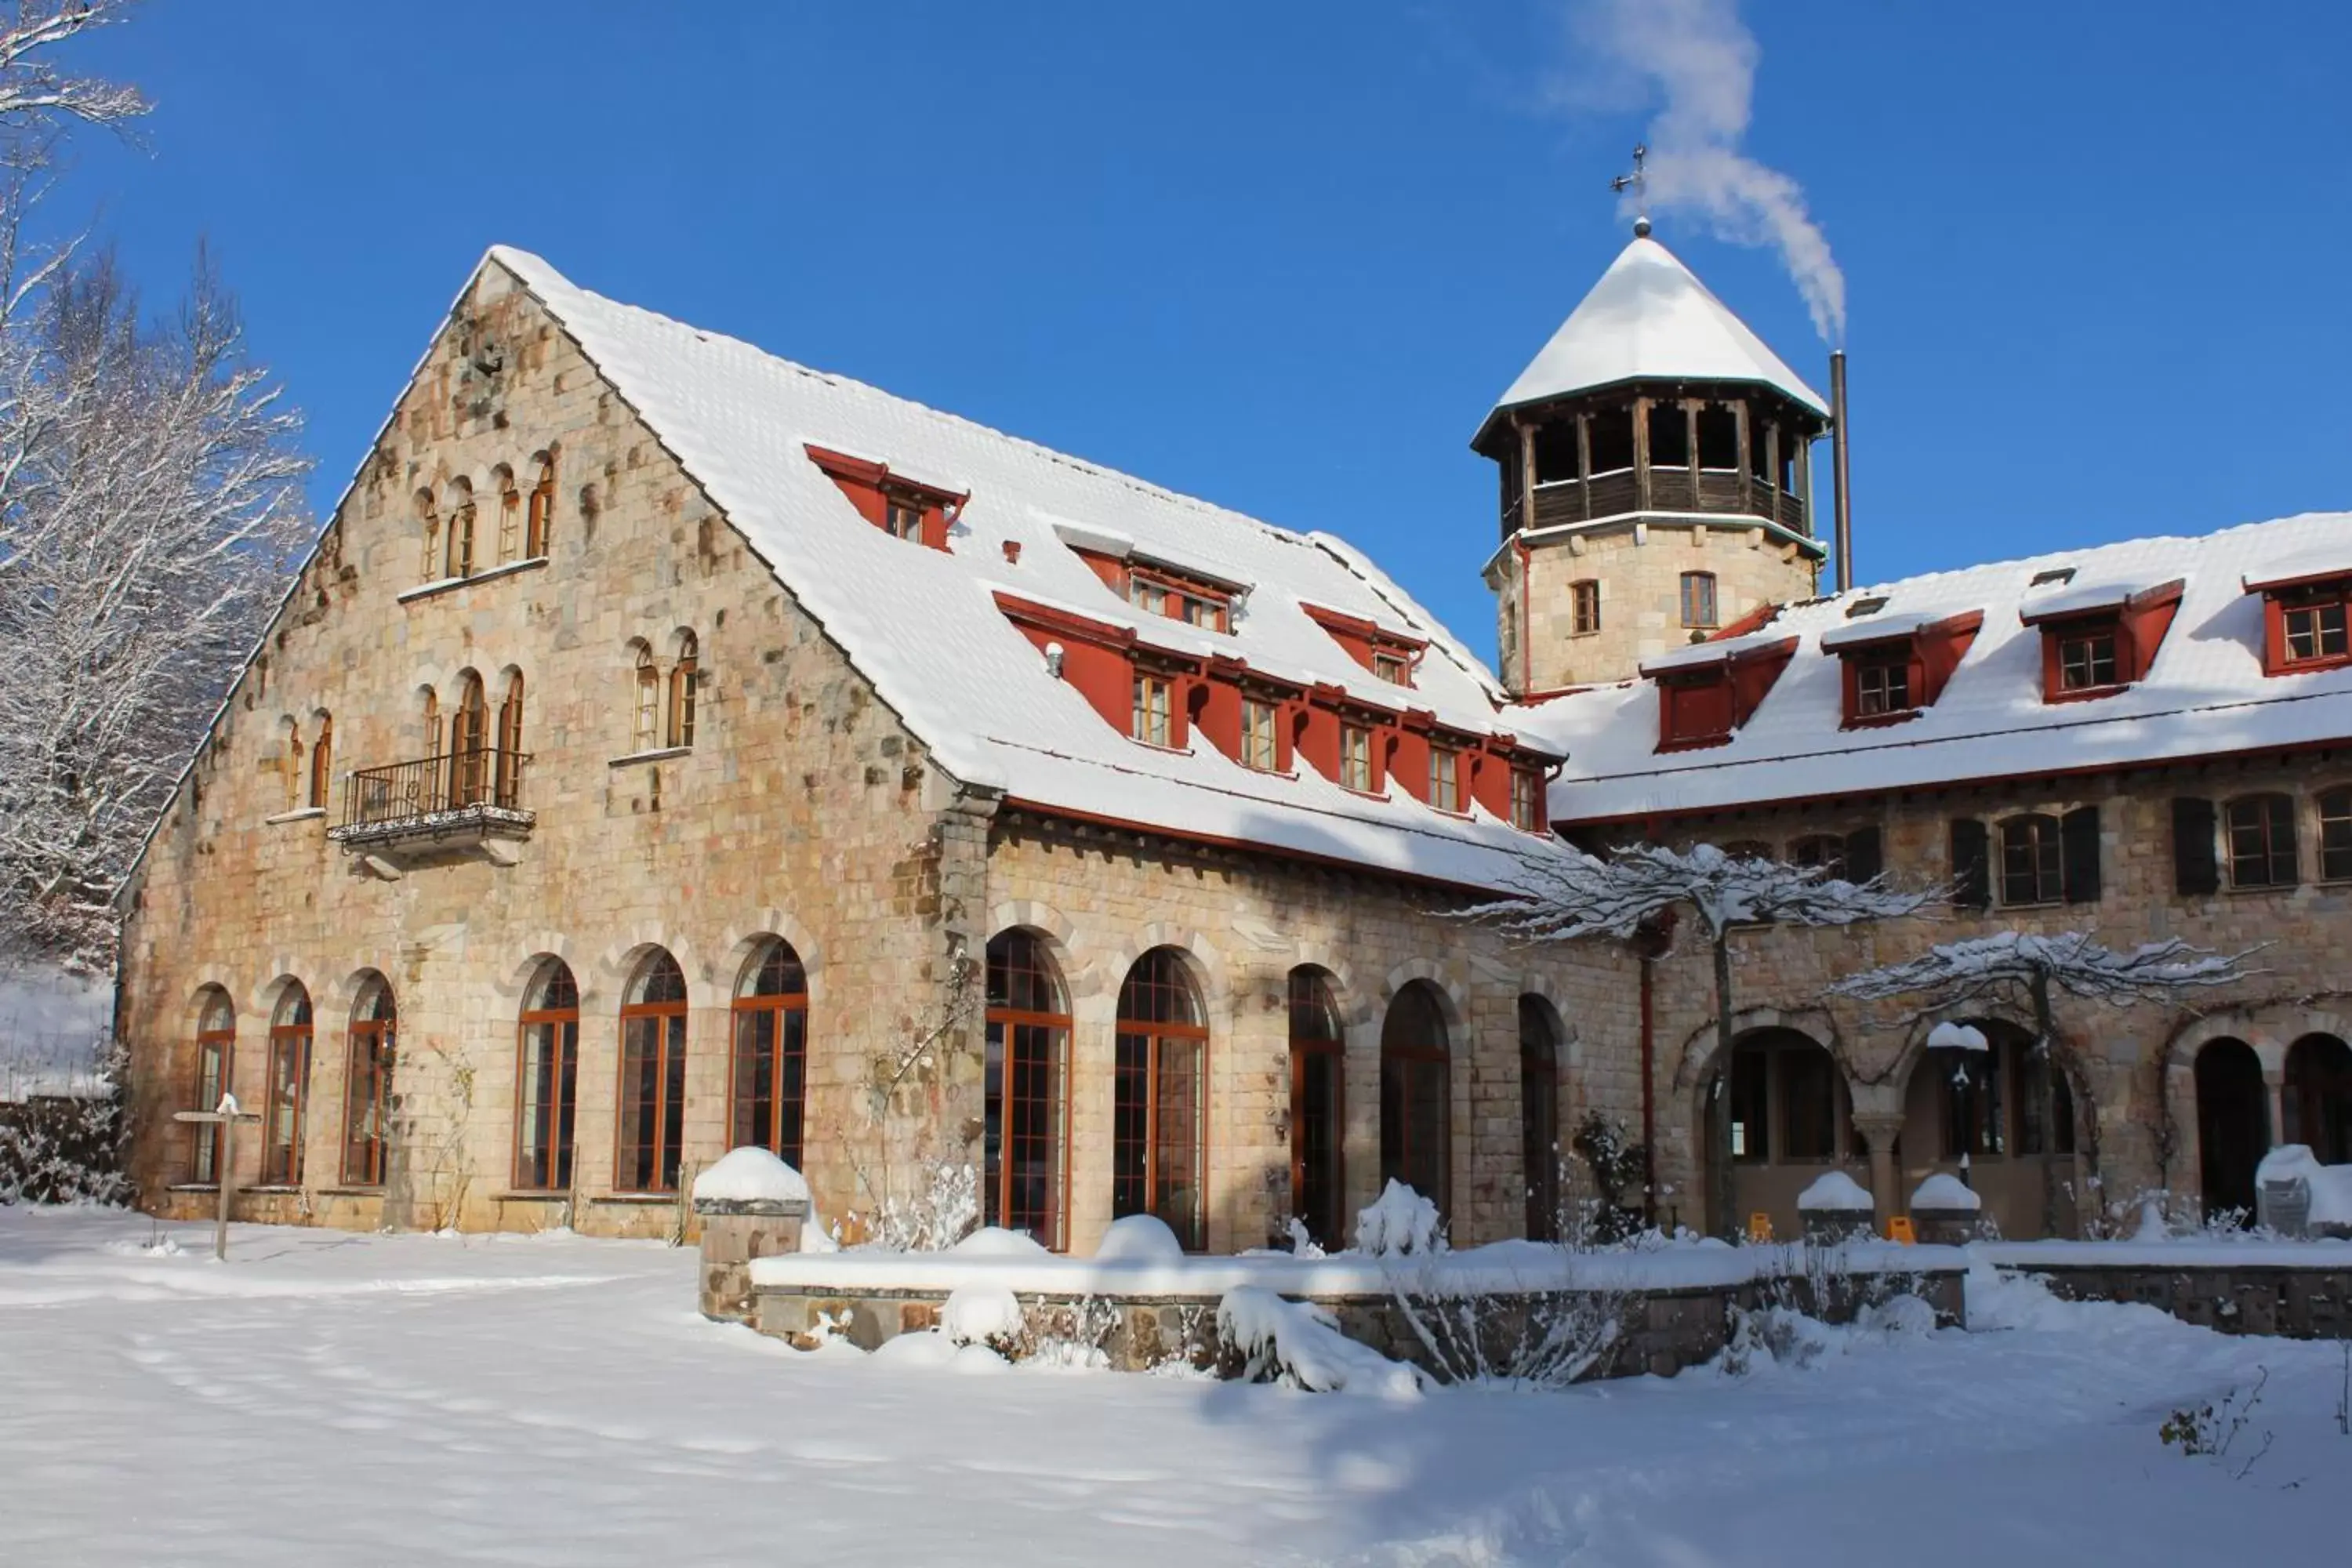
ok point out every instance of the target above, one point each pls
(2086, 659)
(1356, 757)
(1585, 602)
(1719, 437)
(1698, 599)
(1669, 435)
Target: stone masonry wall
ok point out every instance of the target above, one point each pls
(804, 809)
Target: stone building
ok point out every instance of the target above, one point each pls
(669, 747)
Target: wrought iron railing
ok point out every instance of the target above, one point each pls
(481, 780)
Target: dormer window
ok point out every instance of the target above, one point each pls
(2314, 628)
(1155, 708)
(899, 505)
(1191, 601)
(1527, 800)
(1390, 656)
(1356, 757)
(1446, 778)
(1392, 667)
(2305, 612)
(1882, 686)
(1258, 748)
(1897, 665)
(2099, 638)
(1707, 690)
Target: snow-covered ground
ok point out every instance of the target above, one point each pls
(328, 1398)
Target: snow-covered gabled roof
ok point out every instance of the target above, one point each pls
(1889, 626)
(2327, 563)
(2205, 695)
(924, 626)
(1650, 318)
(1716, 650)
(2085, 596)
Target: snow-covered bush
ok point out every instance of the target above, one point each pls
(943, 1213)
(984, 1313)
(67, 1148)
(1618, 1166)
(1298, 1345)
(1528, 1339)
(1400, 1224)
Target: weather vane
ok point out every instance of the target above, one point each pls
(1639, 184)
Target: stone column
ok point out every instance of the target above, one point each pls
(734, 1232)
(1879, 1129)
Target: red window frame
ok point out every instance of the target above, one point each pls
(1026, 1159)
(650, 1119)
(283, 1126)
(1159, 1099)
(216, 1064)
(1318, 1047)
(367, 1086)
(767, 1098)
(547, 1078)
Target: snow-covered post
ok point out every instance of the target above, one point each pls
(1560, 894)
(751, 1204)
(2022, 967)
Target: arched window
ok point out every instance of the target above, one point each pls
(1539, 1116)
(1826, 850)
(652, 1120)
(1698, 599)
(322, 762)
(547, 1072)
(2319, 1097)
(289, 1078)
(541, 528)
(2032, 863)
(1317, 1061)
(1414, 1094)
(510, 513)
(769, 1100)
(1027, 1089)
(294, 782)
(428, 710)
(1159, 1110)
(509, 759)
(428, 527)
(469, 742)
(683, 678)
(460, 558)
(215, 1056)
(367, 1085)
(2259, 833)
(645, 725)
(2234, 1124)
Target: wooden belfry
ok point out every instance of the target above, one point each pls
(227, 1117)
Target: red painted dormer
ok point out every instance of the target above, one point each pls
(1895, 667)
(1391, 656)
(2099, 639)
(2306, 612)
(1707, 690)
(1150, 695)
(906, 507)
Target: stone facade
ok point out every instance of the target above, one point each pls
(1638, 569)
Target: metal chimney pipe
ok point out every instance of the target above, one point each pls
(1842, 539)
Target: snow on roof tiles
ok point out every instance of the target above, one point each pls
(2205, 695)
(923, 625)
(1650, 318)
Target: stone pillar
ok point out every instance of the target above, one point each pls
(1879, 1129)
(734, 1232)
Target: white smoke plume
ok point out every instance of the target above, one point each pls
(1695, 60)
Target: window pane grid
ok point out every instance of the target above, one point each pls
(1258, 735)
(2261, 835)
(2335, 835)
(1444, 773)
(2031, 861)
(2315, 631)
(2086, 661)
(1026, 1087)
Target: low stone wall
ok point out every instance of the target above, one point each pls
(2272, 1291)
(1661, 1331)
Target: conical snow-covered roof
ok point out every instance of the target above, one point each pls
(1650, 319)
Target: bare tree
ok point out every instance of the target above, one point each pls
(1568, 896)
(2022, 967)
(150, 502)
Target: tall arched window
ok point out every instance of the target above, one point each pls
(469, 741)
(547, 1073)
(510, 513)
(1539, 1116)
(652, 1120)
(428, 712)
(294, 781)
(215, 1056)
(1027, 1089)
(289, 1079)
(428, 527)
(2234, 1124)
(2318, 1100)
(509, 759)
(367, 1085)
(460, 558)
(542, 511)
(1414, 1072)
(322, 762)
(1317, 1055)
(1159, 1110)
(645, 725)
(683, 678)
(769, 1096)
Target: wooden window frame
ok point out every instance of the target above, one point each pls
(2082, 654)
(216, 1065)
(1445, 781)
(2315, 604)
(685, 678)
(2033, 868)
(1322, 1045)
(1695, 586)
(783, 1129)
(460, 557)
(645, 719)
(1006, 1027)
(323, 763)
(1540, 1080)
(1391, 666)
(902, 514)
(1155, 1037)
(658, 1147)
(2277, 813)
(287, 1093)
(1176, 597)
(367, 1085)
(1261, 753)
(2333, 807)
(1584, 607)
(1528, 813)
(507, 784)
(1882, 688)
(1153, 711)
(1355, 757)
(542, 512)
(561, 1023)
(470, 773)
(511, 535)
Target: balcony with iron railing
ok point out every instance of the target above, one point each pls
(451, 801)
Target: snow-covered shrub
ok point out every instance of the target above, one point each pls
(1400, 1224)
(942, 1215)
(2211, 1431)
(1298, 1345)
(1617, 1164)
(984, 1313)
(68, 1148)
(1140, 1237)
(1524, 1339)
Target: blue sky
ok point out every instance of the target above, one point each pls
(1285, 256)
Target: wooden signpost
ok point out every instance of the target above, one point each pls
(225, 1116)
